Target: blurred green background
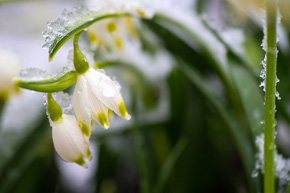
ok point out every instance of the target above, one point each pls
(196, 112)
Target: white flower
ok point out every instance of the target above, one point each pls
(113, 32)
(9, 68)
(69, 141)
(94, 94)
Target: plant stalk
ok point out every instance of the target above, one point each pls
(270, 90)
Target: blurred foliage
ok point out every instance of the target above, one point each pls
(205, 144)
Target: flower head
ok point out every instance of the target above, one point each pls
(69, 141)
(9, 68)
(113, 32)
(96, 93)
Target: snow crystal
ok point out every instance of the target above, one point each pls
(63, 24)
(282, 165)
(64, 100)
(110, 87)
(32, 74)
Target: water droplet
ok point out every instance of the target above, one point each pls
(127, 117)
(106, 126)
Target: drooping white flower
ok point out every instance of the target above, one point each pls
(113, 32)
(94, 94)
(9, 68)
(69, 141)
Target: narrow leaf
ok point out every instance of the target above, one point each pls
(77, 28)
(53, 84)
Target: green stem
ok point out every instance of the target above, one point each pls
(81, 65)
(270, 90)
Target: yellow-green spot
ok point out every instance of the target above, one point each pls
(89, 156)
(4, 95)
(122, 109)
(110, 113)
(141, 13)
(93, 37)
(103, 120)
(111, 26)
(80, 161)
(119, 43)
(85, 129)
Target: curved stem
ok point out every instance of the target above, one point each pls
(270, 90)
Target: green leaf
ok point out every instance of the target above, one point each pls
(53, 84)
(251, 98)
(77, 28)
(170, 164)
(242, 143)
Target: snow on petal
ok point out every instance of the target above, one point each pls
(107, 91)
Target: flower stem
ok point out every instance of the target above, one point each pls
(270, 90)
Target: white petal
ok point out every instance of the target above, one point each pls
(81, 106)
(107, 91)
(98, 110)
(68, 139)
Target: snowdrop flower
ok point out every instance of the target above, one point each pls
(68, 139)
(113, 32)
(95, 93)
(9, 68)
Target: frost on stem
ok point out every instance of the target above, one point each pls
(63, 24)
(33, 74)
(69, 20)
(264, 61)
(282, 165)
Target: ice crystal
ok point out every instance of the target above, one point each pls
(64, 70)
(282, 165)
(32, 74)
(63, 24)
(64, 100)
(110, 88)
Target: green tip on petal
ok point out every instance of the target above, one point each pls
(88, 154)
(81, 162)
(103, 120)
(53, 108)
(123, 111)
(4, 95)
(85, 129)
